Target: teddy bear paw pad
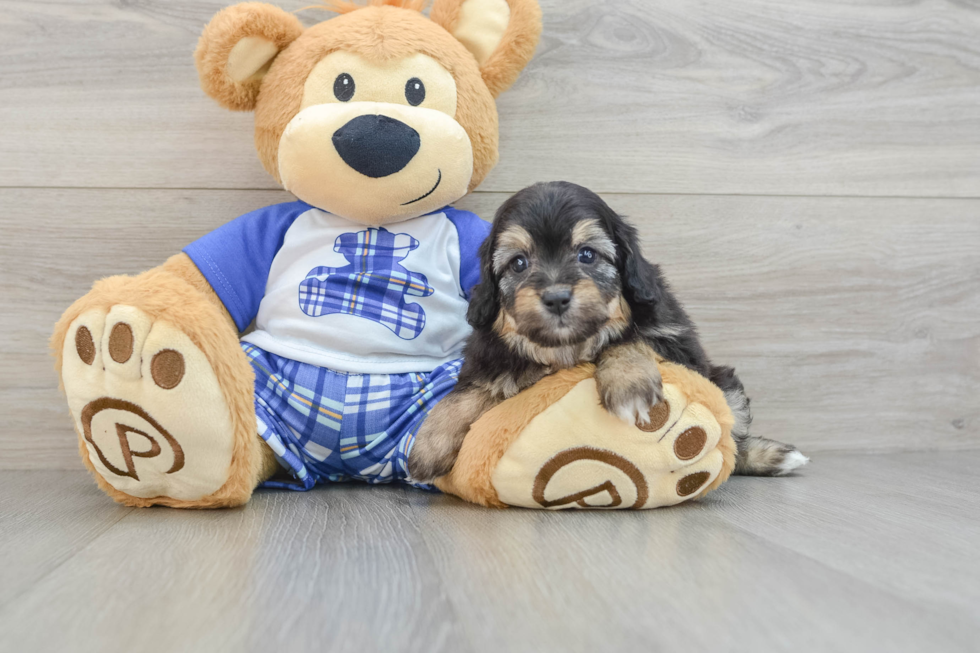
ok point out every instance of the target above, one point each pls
(147, 404)
(575, 455)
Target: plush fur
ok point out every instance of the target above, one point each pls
(516, 47)
(496, 430)
(226, 29)
(346, 6)
(170, 292)
(381, 31)
(256, 56)
(560, 240)
(471, 478)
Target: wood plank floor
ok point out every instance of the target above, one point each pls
(858, 553)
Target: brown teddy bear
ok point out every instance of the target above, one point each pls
(376, 120)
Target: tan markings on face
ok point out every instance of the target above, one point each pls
(587, 293)
(588, 311)
(512, 241)
(527, 303)
(555, 358)
(505, 323)
(381, 81)
(591, 233)
(588, 306)
(619, 311)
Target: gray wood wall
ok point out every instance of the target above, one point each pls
(807, 172)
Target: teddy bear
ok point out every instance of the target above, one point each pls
(304, 343)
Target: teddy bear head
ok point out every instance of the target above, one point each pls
(378, 114)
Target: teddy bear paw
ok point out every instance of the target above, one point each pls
(147, 405)
(576, 455)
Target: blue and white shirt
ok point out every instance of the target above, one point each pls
(326, 291)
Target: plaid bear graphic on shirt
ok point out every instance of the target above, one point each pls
(373, 284)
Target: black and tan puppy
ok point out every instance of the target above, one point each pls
(564, 282)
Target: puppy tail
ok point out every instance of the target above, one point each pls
(763, 457)
(755, 456)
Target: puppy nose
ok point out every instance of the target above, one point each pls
(557, 301)
(376, 146)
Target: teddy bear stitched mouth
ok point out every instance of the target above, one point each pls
(419, 199)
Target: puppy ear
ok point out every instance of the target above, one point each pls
(501, 34)
(238, 46)
(642, 283)
(484, 301)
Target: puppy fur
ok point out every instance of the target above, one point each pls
(563, 281)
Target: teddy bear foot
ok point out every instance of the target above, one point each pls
(153, 423)
(566, 452)
(147, 406)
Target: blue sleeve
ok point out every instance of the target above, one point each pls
(235, 258)
(472, 232)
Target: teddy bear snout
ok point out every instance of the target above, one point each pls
(376, 145)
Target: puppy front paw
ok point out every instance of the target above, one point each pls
(631, 396)
(441, 436)
(433, 455)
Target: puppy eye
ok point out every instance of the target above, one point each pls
(519, 264)
(586, 255)
(343, 87)
(414, 91)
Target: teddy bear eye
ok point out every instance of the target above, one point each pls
(343, 87)
(414, 91)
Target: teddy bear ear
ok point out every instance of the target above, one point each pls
(501, 34)
(238, 46)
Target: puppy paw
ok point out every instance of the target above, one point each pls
(631, 395)
(437, 443)
(426, 465)
(432, 454)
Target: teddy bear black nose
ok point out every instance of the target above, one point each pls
(376, 146)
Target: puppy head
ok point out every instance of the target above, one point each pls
(561, 267)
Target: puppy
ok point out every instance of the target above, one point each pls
(563, 282)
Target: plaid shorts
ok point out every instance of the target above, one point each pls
(327, 426)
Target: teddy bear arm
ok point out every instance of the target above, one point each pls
(181, 266)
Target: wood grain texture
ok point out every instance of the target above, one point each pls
(747, 569)
(342, 570)
(752, 97)
(858, 553)
(854, 323)
(45, 519)
(926, 494)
